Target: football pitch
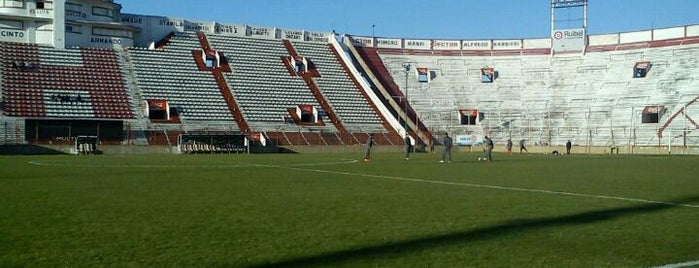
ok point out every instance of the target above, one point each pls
(334, 210)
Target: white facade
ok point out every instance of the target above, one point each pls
(155, 28)
(64, 23)
(99, 23)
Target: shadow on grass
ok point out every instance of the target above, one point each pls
(27, 149)
(416, 245)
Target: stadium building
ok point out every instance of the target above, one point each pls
(73, 69)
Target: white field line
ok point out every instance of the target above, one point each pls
(679, 265)
(54, 163)
(349, 161)
(70, 163)
(490, 186)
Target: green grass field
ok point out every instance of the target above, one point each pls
(329, 210)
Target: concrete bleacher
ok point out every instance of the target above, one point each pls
(34, 75)
(588, 98)
(171, 74)
(261, 83)
(68, 103)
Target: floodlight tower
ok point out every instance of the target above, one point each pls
(567, 36)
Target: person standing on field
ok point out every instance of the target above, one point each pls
(448, 143)
(569, 145)
(367, 149)
(522, 147)
(509, 147)
(408, 147)
(489, 148)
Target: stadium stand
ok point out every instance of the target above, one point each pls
(591, 98)
(171, 74)
(141, 80)
(40, 81)
(261, 83)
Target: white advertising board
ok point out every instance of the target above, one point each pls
(568, 40)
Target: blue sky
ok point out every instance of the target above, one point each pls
(446, 19)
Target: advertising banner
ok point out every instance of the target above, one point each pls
(388, 43)
(362, 41)
(507, 44)
(417, 44)
(568, 40)
(476, 45)
(317, 37)
(13, 35)
(295, 35)
(230, 29)
(195, 26)
(264, 32)
(446, 45)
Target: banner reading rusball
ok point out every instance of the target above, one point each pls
(568, 40)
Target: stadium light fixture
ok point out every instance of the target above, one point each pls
(406, 66)
(568, 3)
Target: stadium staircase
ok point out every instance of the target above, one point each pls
(221, 81)
(389, 92)
(135, 128)
(345, 93)
(139, 102)
(11, 130)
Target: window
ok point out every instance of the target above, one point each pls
(158, 109)
(488, 75)
(100, 11)
(652, 114)
(74, 7)
(44, 26)
(210, 62)
(14, 3)
(423, 75)
(72, 28)
(112, 32)
(309, 113)
(40, 5)
(299, 67)
(11, 24)
(298, 64)
(469, 116)
(641, 69)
